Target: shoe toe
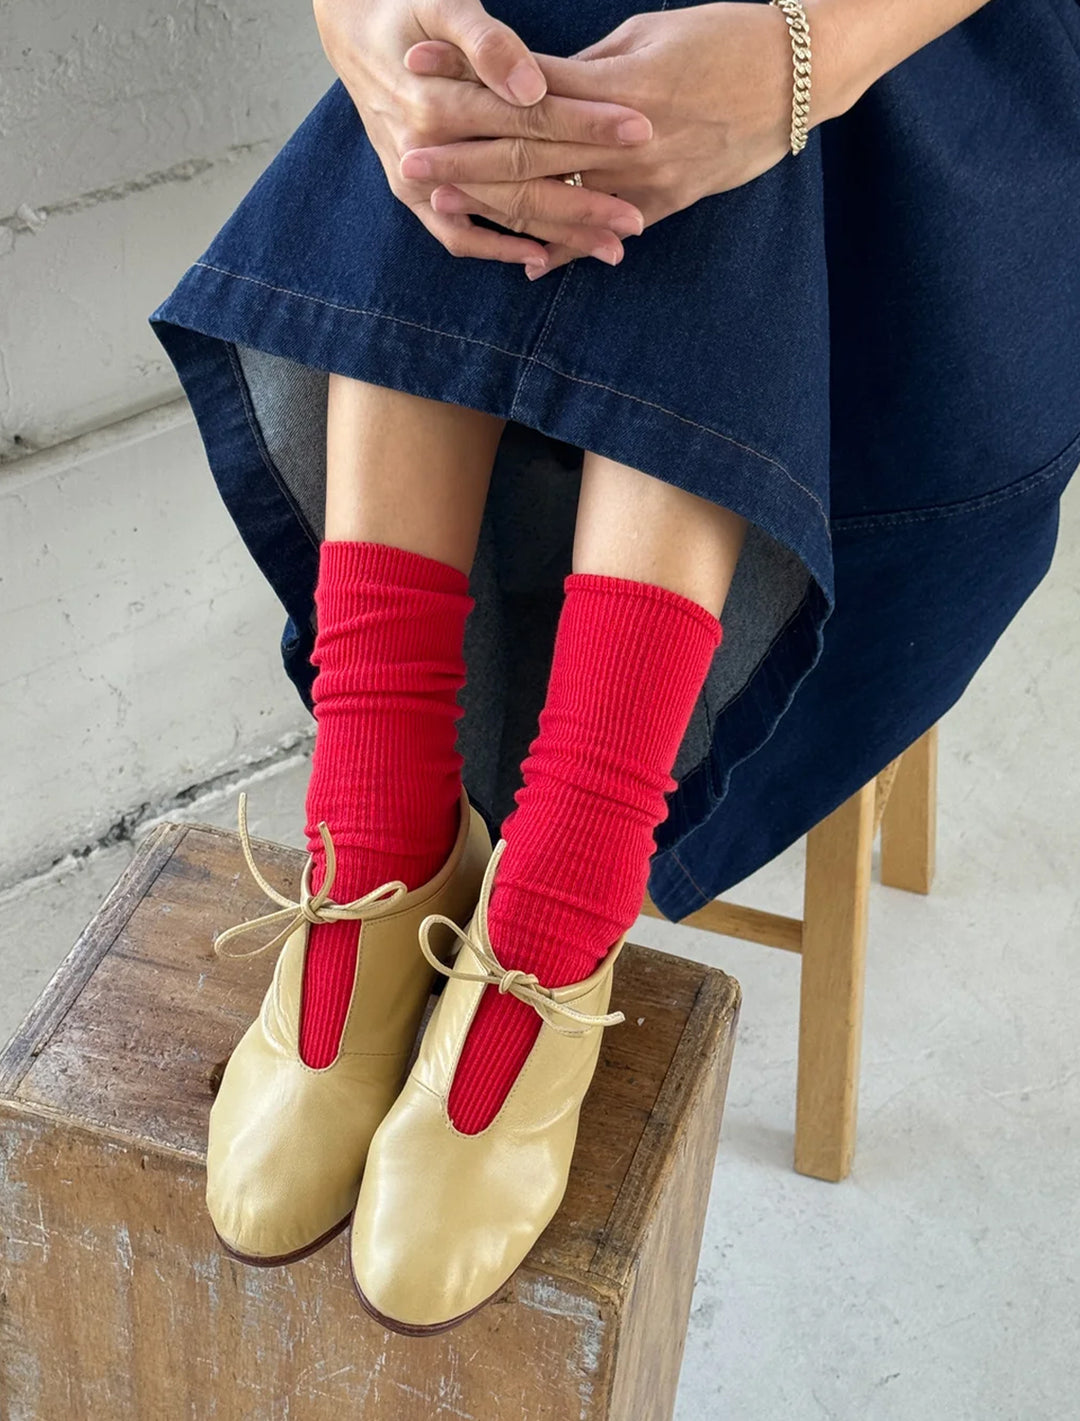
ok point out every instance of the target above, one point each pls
(285, 1157)
(275, 1204)
(432, 1242)
(412, 1280)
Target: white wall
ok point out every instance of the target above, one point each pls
(138, 643)
(133, 127)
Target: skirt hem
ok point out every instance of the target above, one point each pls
(437, 364)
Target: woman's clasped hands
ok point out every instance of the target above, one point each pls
(670, 107)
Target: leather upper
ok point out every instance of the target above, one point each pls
(444, 1218)
(287, 1143)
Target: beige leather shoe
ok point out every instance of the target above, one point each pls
(443, 1219)
(287, 1143)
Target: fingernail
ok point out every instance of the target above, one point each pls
(627, 226)
(526, 83)
(534, 269)
(606, 255)
(414, 166)
(421, 61)
(449, 199)
(633, 130)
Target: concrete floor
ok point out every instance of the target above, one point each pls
(940, 1282)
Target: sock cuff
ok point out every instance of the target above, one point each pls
(605, 584)
(347, 563)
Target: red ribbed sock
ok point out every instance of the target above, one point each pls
(629, 662)
(385, 773)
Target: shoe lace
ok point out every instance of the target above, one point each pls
(526, 986)
(312, 907)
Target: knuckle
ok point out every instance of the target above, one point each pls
(634, 30)
(517, 207)
(518, 159)
(424, 117)
(455, 244)
(650, 173)
(594, 213)
(535, 121)
(489, 44)
(597, 127)
(667, 178)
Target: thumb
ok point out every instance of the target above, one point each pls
(501, 59)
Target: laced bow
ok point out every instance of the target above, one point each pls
(312, 908)
(525, 986)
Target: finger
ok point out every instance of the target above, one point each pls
(582, 241)
(476, 112)
(436, 57)
(500, 57)
(557, 256)
(463, 238)
(583, 78)
(549, 201)
(496, 160)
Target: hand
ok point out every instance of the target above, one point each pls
(715, 80)
(401, 110)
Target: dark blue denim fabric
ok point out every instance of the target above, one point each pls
(872, 352)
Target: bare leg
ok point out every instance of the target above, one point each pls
(407, 471)
(632, 525)
(414, 473)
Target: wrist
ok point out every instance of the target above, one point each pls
(846, 58)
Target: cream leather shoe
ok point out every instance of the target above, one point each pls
(287, 1143)
(443, 1219)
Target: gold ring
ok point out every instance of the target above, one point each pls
(574, 179)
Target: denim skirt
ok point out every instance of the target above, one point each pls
(871, 352)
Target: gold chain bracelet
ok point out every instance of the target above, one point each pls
(799, 26)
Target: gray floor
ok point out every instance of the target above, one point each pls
(940, 1282)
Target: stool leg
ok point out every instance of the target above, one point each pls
(838, 854)
(909, 825)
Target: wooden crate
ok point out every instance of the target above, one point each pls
(115, 1298)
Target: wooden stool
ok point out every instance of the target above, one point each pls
(115, 1298)
(831, 936)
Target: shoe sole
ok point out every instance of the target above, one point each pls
(279, 1260)
(418, 1329)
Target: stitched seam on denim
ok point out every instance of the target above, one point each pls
(691, 880)
(1069, 34)
(1015, 489)
(517, 355)
(1029, 484)
(360, 310)
(260, 444)
(540, 339)
(706, 429)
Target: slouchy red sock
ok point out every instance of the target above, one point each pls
(629, 662)
(385, 773)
